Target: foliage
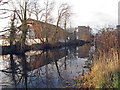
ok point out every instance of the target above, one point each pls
(104, 72)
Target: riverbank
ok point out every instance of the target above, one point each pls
(54, 68)
(105, 68)
(44, 46)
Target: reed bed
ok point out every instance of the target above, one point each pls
(104, 70)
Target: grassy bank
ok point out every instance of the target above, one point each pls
(104, 71)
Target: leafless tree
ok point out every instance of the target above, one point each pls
(48, 16)
(63, 15)
(20, 9)
(35, 9)
(42, 14)
(48, 9)
(12, 31)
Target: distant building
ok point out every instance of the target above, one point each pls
(84, 33)
(72, 35)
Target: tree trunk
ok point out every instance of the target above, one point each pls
(24, 30)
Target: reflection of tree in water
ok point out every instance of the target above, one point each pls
(47, 60)
(72, 52)
(23, 75)
(13, 69)
(45, 69)
(17, 70)
(46, 57)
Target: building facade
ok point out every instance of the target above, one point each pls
(38, 31)
(84, 33)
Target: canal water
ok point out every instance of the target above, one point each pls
(55, 68)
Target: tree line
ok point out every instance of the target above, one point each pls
(20, 10)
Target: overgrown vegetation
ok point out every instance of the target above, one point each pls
(104, 71)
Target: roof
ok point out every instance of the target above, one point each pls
(41, 28)
(84, 27)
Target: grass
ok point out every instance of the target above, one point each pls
(104, 71)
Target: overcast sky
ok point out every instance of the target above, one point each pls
(93, 13)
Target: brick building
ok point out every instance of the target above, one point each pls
(84, 33)
(38, 30)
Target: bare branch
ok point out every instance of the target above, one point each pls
(3, 3)
(19, 16)
(4, 17)
(6, 10)
(4, 30)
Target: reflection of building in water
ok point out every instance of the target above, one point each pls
(83, 51)
(49, 69)
(46, 58)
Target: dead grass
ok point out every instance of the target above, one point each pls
(104, 72)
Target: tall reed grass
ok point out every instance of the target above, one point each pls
(104, 71)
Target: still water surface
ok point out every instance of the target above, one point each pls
(43, 69)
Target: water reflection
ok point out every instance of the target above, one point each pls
(83, 51)
(13, 69)
(45, 69)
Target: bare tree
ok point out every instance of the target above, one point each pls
(42, 14)
(12, 32)
(21, 12)
(66, 20)
(24, 28)
(47, 16)
(48, 9)
(63, 16)
(35, 9)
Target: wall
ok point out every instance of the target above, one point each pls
(84, 33)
